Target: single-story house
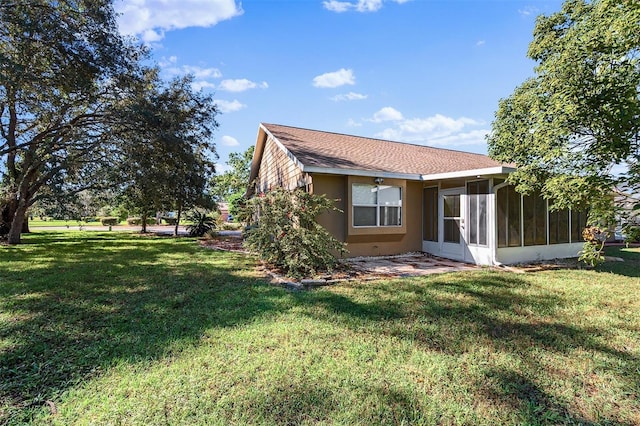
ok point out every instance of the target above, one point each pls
(397, 198)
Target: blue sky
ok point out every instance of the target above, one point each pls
(420, 71)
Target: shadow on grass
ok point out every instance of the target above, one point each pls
(630, 267)
(75, 304)
(453, 313)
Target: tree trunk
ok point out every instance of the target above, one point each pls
(175, 231)
(25, 225)
(16, 225)
(144, 224)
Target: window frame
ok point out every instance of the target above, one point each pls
(377, 206)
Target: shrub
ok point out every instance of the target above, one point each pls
(109, 221)
(287, 235)
(170, 220)
(134, 221)
(591, 252)
(632, 234)
(201, 224)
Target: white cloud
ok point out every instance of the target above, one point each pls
(353, 123)
(387, 114)
(480, 43)
(199, 85)
(528, 11)
(222, 167)
(229, 106)
(168, 62)
(149, 19)
(197, 72)
(335, 79)
(229, 141)
(358, 6)
(240, 85)
(435, 130)
(351, 96)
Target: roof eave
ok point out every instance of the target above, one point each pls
(355, 172)
(498, 170)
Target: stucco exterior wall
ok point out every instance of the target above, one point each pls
(333, 187)
(375, 241)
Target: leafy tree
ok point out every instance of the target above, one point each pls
(233, 183)
(166, 148)
(571, 127)
(63, 69)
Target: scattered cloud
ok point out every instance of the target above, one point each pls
(357, 6)
(435, 130)
(529, 10)
(351, 96)
(168, 62)
(480, 43)
(240, 85)
(335, 79)
(387, 114)
(229, 106)
(150, 19)
(353, 123)
(199, 85)
(222, 167)
(229, 141)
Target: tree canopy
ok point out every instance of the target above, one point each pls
(233, 182)
(573, 129)
(77, 105)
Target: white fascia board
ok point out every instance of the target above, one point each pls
(366, 173)
(499, 170)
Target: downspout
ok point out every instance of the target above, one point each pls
(494, 236)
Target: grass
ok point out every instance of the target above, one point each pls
(36, 223)
(111, 328)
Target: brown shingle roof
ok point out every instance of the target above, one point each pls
(339, 151)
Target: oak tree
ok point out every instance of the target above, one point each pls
(573, 129)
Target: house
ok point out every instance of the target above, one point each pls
(397, 198)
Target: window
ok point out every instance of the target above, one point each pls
(430, 229)
(578, 223)
(376, 205)
(509, 209)
(477, 193)
(536, 219)
(558, 226)
(534, 214)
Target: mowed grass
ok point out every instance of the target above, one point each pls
(111, 328)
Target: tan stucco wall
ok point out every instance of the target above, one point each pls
(333, 187)
(407, 238)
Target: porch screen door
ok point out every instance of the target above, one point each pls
(452, 224)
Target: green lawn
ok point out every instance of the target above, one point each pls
(36, 223)
(112, 328)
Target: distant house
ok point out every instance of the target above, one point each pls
(399, 198)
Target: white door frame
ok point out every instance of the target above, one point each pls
(448, 249)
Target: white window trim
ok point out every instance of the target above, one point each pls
(377, 206)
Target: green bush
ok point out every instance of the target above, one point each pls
(632, 234)
(170, 220)
(134, 221)
(594, 239)
(109, 221)
(287, 235)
